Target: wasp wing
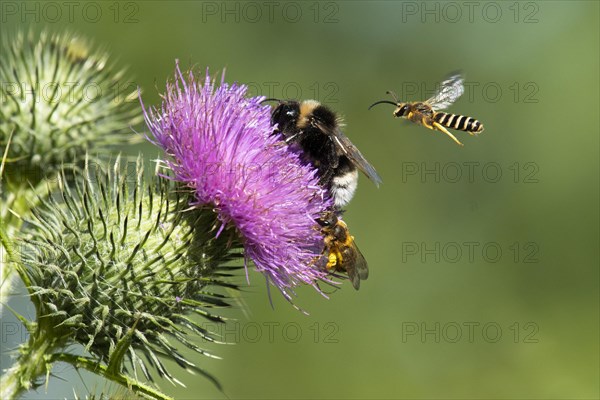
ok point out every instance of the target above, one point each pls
(354, 155)
(449, 91)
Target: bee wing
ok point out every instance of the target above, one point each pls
(345, 145)
(356, 266)
(449, 91)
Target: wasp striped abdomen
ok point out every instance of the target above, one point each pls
(458, 122)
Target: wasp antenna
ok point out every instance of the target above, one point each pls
(393, 95)
(270, 99)
(383, 102)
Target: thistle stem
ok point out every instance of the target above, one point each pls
(32, 363)
(36, 358)
(92, 366)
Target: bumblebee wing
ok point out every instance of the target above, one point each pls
(449, 91)
(356, 266)
(355, 156)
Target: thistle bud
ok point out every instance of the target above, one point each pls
(59, 99)
(119, 267)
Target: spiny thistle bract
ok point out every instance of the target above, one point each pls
(59, 99)
(120, 267)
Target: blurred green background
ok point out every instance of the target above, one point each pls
(484, 259)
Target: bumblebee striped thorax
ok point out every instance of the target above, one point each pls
(316, 129)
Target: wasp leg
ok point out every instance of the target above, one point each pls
(440, 128)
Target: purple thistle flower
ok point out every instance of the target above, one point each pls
(221, 145)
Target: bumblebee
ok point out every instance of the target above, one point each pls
(341, 253)
(317, 131)
(426, 112)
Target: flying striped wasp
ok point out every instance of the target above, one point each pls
(427, 112)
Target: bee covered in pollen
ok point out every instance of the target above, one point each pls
(340, 252)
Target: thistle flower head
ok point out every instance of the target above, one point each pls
(58, 99)
(115, 260)
(220, 144)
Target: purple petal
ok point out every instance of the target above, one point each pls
(220, 144)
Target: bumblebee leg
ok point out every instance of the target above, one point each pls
(440, 128)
